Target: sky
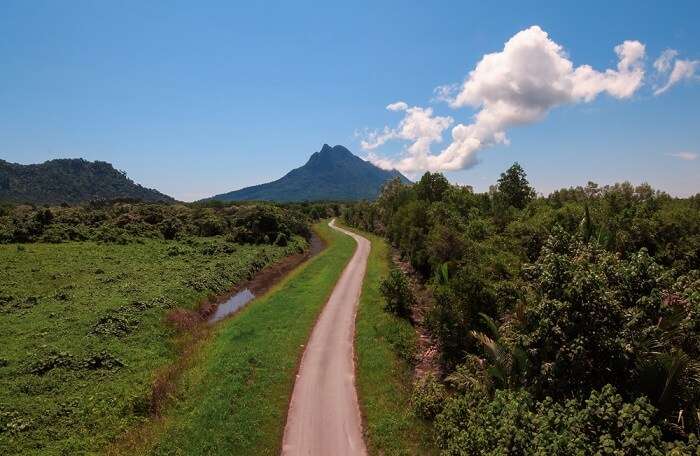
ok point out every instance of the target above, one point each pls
(200, 98)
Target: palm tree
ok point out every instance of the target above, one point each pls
(669, 376)
(505, 363)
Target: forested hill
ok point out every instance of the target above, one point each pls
(69, 181)
(333, 173)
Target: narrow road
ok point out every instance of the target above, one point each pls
(324, 416)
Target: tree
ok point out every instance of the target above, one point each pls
(514, 187)
(397, 294)
(431, 187)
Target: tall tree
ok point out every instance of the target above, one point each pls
(514, 187)
(431, 187)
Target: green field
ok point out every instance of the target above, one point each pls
(82, 332)
(383, 377)
(234, 398)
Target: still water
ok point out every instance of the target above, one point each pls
(234, 303)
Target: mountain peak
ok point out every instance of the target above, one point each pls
(335, 150)
(333, 173)
(331, 156)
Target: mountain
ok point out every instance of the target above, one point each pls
(69, 181)
(333, 173)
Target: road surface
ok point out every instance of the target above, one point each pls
(324, 416)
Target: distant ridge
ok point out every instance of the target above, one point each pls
(69, 181)
(333, 173)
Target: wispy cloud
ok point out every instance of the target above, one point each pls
(684, 155)
(674, 70)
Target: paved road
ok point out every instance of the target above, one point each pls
(324, 417)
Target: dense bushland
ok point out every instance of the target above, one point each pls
(122, 222)
(568, 324)
(93, 299)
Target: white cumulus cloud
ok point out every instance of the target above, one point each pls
(518, 85)
(419, 126)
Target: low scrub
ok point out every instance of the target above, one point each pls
(84, 328)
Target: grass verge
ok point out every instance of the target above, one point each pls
(383, 342)
(234, 397)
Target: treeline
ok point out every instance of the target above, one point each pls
(568, 324)
(123, 221)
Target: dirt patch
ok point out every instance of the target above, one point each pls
(427, 350)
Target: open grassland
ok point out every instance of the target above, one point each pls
(384, 377)
(82, 331)
(234, 398)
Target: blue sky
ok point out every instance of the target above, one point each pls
(198, 98)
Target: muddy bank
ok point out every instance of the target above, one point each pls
(428, 352)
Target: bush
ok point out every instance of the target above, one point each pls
(512, 423)
(171, 228)
(402, 337)
(428, 397)
(458, 303)
(109, 234)
(397, 293)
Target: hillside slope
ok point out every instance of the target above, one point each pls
(333, 173)
(69, 181)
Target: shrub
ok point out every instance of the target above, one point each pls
(428, 397)
(456, 311)
(402, 337)
(110, 234)
(512, 423)
(397, 293)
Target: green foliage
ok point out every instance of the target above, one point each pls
(431, 187)
(556, 297)
(514, 187)
(428, 397)
(513, 423)
(251, 361)
(397, 293)
(83, 331)
(573, 324)
(128, 222)
(506, 363)
(456, 311)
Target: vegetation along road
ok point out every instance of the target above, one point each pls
(234, 397)
(324, 417)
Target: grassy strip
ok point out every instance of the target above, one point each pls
(383, 376)
(82, 332)
(234, 398)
